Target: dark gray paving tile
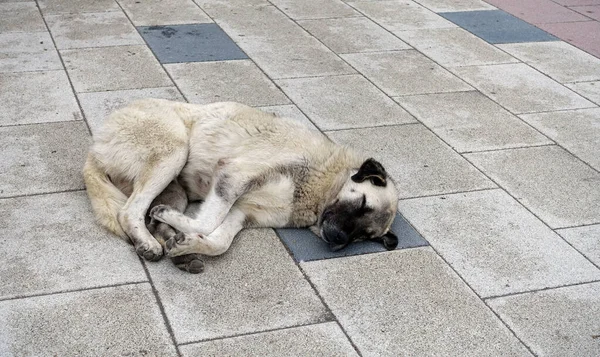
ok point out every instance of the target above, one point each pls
(306, 246)
(191, 43)
(497, 26)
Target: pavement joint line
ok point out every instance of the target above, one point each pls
(578, 226)
(372, 127)
(557, 111)
(447, 194)
(67, 291)
(42, 123)
(42, 193)
(124, 90)
(508, 148)
(541, 290)
(74, 13)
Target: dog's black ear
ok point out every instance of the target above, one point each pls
(373, 171)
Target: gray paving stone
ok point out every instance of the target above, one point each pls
(254, 287)
(277, 44)
(27, 51)
(520, 88)
(559, 60)
(239, 81)
(290, 111)
(42, 158)
(405, 72)
(469, 121)
(92, 30)
(343, 102)
(353, 34)
(191, 43)
(400, 15)
(119, 321)
(455, 5)
(114, 68)
(20, 17)
(77, 6)
(157, 12)
(420, 163)
(55, 245)
(586, 239)
(409, 303)
(558, 322)
(495, 244)
(314, 9)
(453, 47)
(590, 90)
(98, 105)
(576, 130)
(552, 183)
(36, 97)
(316, 340)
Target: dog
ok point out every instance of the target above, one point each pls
(250, 168)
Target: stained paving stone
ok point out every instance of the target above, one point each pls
(553, 184)
(582, 34)
(306, 246)
(42, 158)
(55, 245)
(191, 43)
(589, 90)
(353, 34)
(254, 287)
(24, 51)
(314, 9)
(495, 244)
(20, 17)
(420, 163)
(454, 47)
(239, 81)
(557, 322)
(559, 60)
(455, 5)
(585, 239)
(118, 321)
(114, 68)
(157, 12)
(405, 73)
(592, 11)
(326, 340)
(469, 121)
(576, 130)
(497, 26)
(520, 88)
(290, 111)
(36, 97)
(343, 102)
(98, 105)
(411, 303)
(77, 6)
(538, 11)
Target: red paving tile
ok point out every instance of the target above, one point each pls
(585, 35)
(589, 11)
(577, 2)
(538, 11)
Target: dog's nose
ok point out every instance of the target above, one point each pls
(336, 238)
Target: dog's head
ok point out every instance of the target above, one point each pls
(363, 209)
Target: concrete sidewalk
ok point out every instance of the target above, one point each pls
(489, 122)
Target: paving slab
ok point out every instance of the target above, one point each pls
(20, 17)
(400, 15)
(114, 68)
(191, 43)
(592, 11)
(469, 121)
(538, 11)
(557, 322)
(239, 81)
(455, 5)
(420, 163)
(576, 130)
(353, 34)
(55, 245)
(344, 102)
(559, 60)
(276, 43)
(577, 2)
(405, 73)
(581, 34)
(98, 105)
(97, 29)
(315, 340)
(409, 303)
(118, 321)
(556, 186)
(452, 47)
(77, 6)
(253, 287)
(585, 239)
(589, 90)
(314, 9)
(290, 111)
(157, 12)
(520, 88)
(495, 244)
(27, 51)
(48, 96)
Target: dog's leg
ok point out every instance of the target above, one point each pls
(215, 243)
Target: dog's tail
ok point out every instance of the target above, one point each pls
(105, 197)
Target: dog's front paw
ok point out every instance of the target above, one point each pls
(150, 252)
(179, 244)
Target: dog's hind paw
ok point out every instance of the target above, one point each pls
(158, 211)
(151, 253)
(192, 263)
